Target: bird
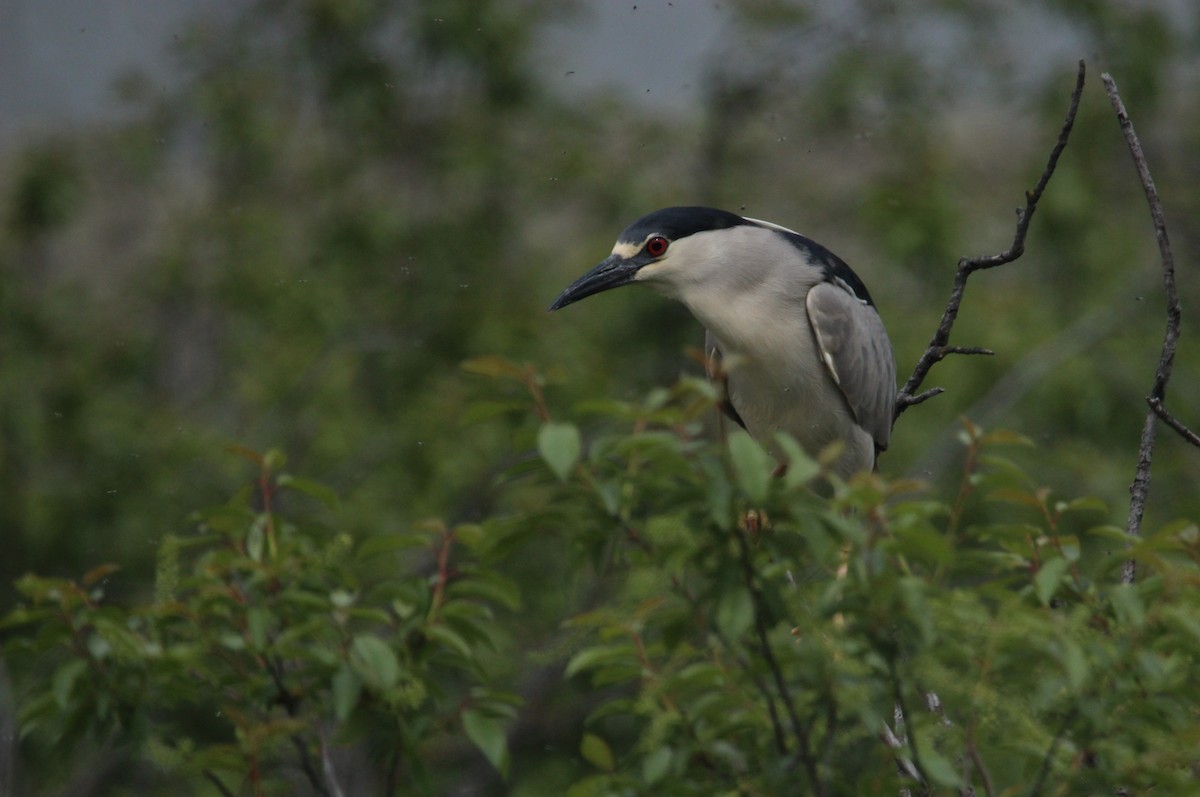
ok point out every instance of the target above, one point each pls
(790, 330)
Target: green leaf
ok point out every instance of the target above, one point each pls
(451, 639)
(489, 586)
(65, 677)
(390, 543)
(1074, 663)
(346, 688)
(935, 766)
(1116, 534)
(495, 366)
(589, 658)
(487, 734)
(560, 447)
(1186, 621)
(597, 752)
(656, 765)
(1048, 577)
(374, 662)
(752, 465)
(719, 494)
(735, 612)
(1127, 604)
(482, 411)
(923, 542)
(1004, 437)
(1086, 504)
(256, 538)
(22, 616)
(1015, 495)
(257, 621)
(116, 633)
(274, 460)
(1182, 528)
(310, 488)
(801, 468)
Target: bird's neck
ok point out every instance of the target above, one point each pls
(753, 321)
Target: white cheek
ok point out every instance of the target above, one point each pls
(662, 276)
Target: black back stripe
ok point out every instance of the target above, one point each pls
(833, 267)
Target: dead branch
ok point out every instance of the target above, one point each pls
(1140, 489)
(1170, 420)
(939, 346)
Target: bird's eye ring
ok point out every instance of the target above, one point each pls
(657, 246)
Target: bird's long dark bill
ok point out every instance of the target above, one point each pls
(612, 273)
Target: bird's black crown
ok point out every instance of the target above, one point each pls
(676, 223)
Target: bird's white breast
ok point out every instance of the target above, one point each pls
(750, 294)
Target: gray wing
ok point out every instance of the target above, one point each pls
(855, 348)
(712, 364)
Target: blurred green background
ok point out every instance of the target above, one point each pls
(298, 244)
(297, 240)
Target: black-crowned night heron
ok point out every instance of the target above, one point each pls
(803, 348)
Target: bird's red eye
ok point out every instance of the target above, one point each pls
(657, 246)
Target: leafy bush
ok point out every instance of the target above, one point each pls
(735, 632)
(268, 641)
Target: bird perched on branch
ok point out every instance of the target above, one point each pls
(791, 329)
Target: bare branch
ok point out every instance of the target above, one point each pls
(1048, 760)
(967, 350)
(327, 767)
(912, 764)
(212, 778)
(1170, 420)
(903, 764)
(1140, 489)
(989, 788)
(292, 705)
(939, 347)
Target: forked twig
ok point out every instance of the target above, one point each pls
(804, 753)
(1156, 404)
(1140, 489)
(939, 346)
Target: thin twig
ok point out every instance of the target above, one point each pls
(939, 346)
(989, 788)
(897, 743)
(1140, 489)
(291, 704)
(744, 664)
(1187, 434)
(804, 747)
(915, 770)
(1048, 761)
(212, 778)
(831, 726)
(327, 767)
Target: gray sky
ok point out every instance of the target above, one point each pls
(60, 59)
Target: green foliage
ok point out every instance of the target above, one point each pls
(268, 642)
(763, 639)
(743, 635)
(302, 239)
